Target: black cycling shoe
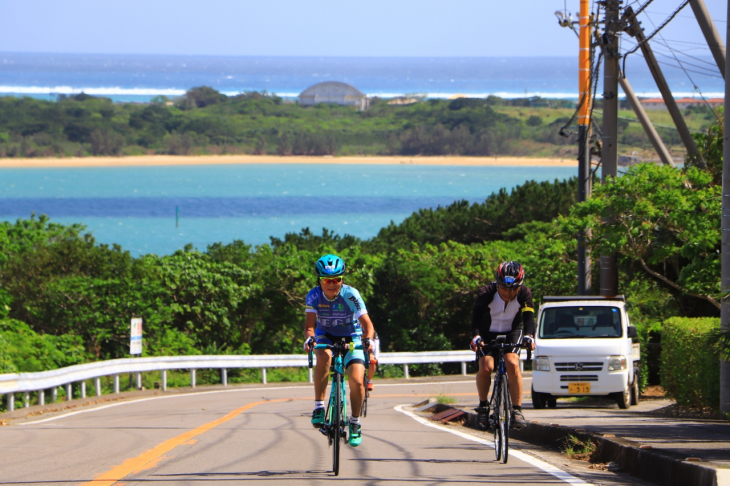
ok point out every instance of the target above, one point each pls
(517, 421)
(482, 417)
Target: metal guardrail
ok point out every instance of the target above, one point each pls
(48, 381)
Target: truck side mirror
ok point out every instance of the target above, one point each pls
(631, 331)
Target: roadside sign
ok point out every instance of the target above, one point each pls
(135, 340)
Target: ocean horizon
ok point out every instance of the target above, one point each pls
(143, 77)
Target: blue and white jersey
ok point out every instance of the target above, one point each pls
(338, 317)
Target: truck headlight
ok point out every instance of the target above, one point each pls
(542, 364)
(616, 363)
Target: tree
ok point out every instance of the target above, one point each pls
(666, 220)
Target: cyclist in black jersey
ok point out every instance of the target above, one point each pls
(503, 307)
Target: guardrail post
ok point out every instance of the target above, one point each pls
(263, 375)
(405, 371)
(192, 378)
(97, 386)
(463, 368)
(522, 365)
(224, 376)
(41, 397)
(69, 392)
(311, 378)
(116, 383)
(164, 380)
(10, 397)
(26, 400)
(54, 394)
(138, 380)
(83, 389)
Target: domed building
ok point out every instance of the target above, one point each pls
(334, 92)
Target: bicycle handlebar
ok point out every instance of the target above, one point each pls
(334, 347)
(502, 345)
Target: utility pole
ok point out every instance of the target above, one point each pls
(712, 36)
(584, 140)
(651, 132)
(725, 250)
(635, 30)
(609, 154)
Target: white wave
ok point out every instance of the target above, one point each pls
(118, 91)
(91, 91)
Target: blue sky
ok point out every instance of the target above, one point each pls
(311, 28)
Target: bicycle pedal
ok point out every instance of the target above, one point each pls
(324, 432)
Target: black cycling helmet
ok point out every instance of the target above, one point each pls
(329, 266)
(510, 274)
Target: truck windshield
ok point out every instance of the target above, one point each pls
(580, 322)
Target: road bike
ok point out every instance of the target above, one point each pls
(500, 404)
(335, 419)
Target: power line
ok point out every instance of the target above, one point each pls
(685, 72)
(669, 19)
(707, 72)
(686, 16)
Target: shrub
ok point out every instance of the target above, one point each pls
(690, 367)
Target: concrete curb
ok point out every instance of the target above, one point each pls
(656, 466)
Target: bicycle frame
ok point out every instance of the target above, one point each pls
(335, 419)
(500, 403)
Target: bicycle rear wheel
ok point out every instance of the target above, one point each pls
(505, 420)
(336, 423)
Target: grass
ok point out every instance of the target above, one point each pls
(445, 399)
(577, 449)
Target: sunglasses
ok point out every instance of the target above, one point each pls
(330, 280)
(509, 289)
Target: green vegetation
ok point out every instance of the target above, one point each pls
(445, 399)
(696, 382)
(578, 450)
(65, 299)
(205, 121)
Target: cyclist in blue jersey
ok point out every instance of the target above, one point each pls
(335, 310)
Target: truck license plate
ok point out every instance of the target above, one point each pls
(579, 388)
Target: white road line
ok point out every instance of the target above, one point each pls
(548, 468)
(234, 390)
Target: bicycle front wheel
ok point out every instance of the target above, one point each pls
(336, 422)
(364, 412)
(505, 419)
(497, 413)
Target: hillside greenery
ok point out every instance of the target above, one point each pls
(205, 121)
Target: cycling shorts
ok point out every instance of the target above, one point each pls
(513, 337)
(353, 356)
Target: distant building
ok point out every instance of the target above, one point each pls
(658, 103)
(334, 92)
(403, 100)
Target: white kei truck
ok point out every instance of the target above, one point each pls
(584, 348)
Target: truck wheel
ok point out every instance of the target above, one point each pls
(623, 399)
(538, 400)
(552, 402)
(635, 393)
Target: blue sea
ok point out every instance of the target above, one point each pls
(161, 209)
(142, 77)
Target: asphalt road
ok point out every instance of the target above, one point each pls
(256, 435)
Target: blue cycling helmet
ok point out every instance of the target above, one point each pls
(329, 266)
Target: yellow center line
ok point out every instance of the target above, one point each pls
(119, 472)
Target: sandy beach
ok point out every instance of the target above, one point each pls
(158, 160)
